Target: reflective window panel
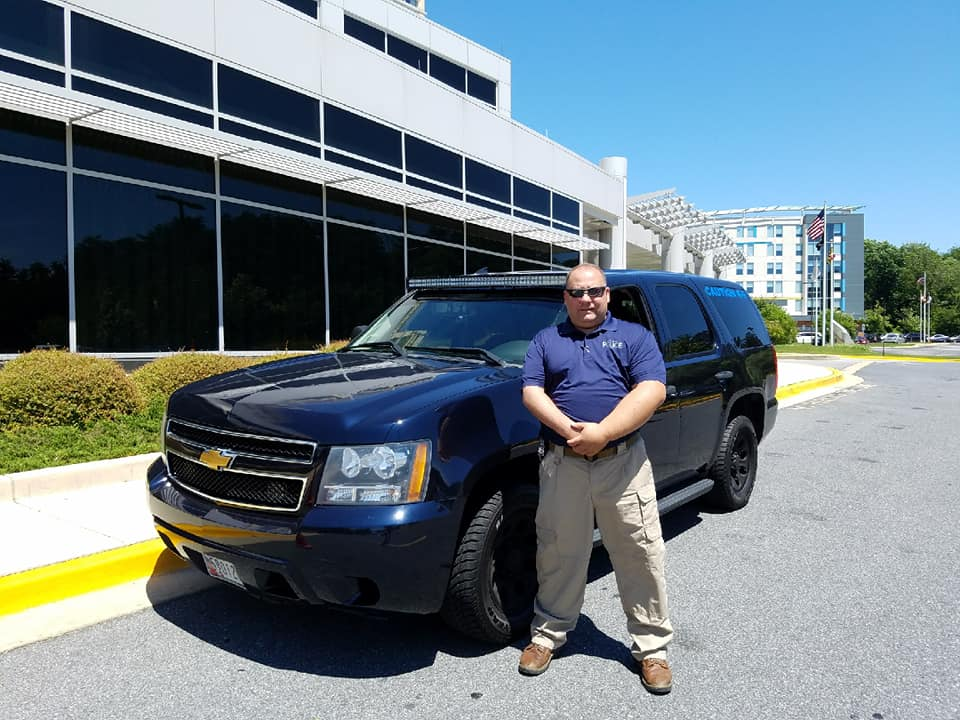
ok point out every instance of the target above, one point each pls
(355, 298)
(126, 57)
(273, 294)
(427, 259)
(33, 258)
(566, 210)
(32, 28)
(268, 188)
(267, 103)
(435, 227)
(477, 261)
(481, 238)
(374, 37)
(405, 52)
(32, 137)
(481, 88)
(142, 101)
(360, 135)
(531, 197)
(363, 210)
(485, 180)
(307, 7)
(564, 256)
(118, 155)
(531, 249)
(244, 130)
(448, 72)
(429, 160)
(146, 268)
(29, 70)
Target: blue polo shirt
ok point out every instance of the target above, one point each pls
(586, 375)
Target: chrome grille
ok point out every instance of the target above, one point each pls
(249, 471)
(239, 488)
(242, 443)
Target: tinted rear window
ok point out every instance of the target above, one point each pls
(739, 313)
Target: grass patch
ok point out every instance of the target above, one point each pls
(807, 349)
(31, 448)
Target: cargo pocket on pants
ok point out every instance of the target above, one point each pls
(649, 515)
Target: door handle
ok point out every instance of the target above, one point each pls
(724, 375)
(671, 392)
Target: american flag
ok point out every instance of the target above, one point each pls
(815, 230)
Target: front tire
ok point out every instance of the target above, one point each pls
(734, 471)
(494, 579)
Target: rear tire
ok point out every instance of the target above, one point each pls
(494, 579)
(734, 471)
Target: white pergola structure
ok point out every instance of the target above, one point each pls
(669, 227)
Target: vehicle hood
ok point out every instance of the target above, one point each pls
(334, 398)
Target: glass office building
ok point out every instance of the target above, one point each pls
(260, 175)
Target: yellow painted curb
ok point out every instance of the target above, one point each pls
(52, 583)
(796, 388)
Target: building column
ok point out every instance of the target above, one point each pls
(674, 251)
(616, 256)
(706, 265)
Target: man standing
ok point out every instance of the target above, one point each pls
(592, 381)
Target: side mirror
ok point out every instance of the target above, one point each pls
(357, 331)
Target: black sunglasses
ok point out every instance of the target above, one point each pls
(593, 292)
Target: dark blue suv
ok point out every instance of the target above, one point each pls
(400, 473)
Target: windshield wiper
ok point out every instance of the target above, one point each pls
(378, 345)
(472, 352)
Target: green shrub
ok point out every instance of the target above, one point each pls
(781, 327)
(55, 387)
(160, 377)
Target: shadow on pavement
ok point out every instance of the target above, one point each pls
(339, 643)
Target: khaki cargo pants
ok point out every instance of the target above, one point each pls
(619, 489)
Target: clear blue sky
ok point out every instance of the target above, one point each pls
(748, 102)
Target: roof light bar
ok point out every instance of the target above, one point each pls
(535, 278)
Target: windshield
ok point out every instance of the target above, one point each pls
(493, 322)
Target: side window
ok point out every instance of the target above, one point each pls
(686, 330)
(624, 306)
(739, 313)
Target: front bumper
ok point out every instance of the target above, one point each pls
(395, 558)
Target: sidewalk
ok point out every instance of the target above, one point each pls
(74, 530)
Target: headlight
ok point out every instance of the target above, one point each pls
(388, 474)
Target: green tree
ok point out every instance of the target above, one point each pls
(782, 327)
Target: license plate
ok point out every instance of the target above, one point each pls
(222, 570)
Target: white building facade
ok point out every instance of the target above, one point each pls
(781, 265)
(245, 175)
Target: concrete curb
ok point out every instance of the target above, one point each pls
(48, 481)
(788, 391)
(52, 583)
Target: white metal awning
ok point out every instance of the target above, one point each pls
(69, 106)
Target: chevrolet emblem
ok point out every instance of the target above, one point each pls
(216, 459)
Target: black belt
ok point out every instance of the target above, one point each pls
(605, 453)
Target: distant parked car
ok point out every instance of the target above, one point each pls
(955, 338)
(912, 337)
(807, 338)
(891, 338)
(938, 338)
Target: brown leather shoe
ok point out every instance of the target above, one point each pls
(656, 676)
(535, 659)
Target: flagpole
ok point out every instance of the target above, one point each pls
(810, 282)
(830, 265)
(823, 275)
